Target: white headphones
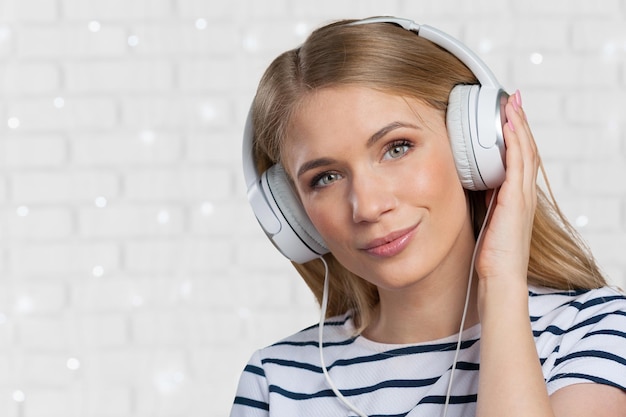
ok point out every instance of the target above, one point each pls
(474, 120)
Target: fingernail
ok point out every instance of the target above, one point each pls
(515, 105)
(518, 98)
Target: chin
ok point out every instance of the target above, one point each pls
(397, 274)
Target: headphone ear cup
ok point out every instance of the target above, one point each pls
(461, 108)
(306, 244)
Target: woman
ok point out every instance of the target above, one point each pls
(431, 310)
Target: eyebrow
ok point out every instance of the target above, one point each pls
(388, 128)
(320, 162)
(315, 163)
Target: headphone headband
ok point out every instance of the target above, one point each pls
(447, 42)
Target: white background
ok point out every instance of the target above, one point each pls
(134, 281)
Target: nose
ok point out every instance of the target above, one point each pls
(370, 197)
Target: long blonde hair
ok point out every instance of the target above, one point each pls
(393, 60)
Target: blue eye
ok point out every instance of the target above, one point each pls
(324, 179)
(397, 149)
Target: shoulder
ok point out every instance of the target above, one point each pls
(338, 330)
(574, 314)
(580, 335)
(287, 366)
(551, 304)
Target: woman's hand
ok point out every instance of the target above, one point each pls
(511, 381)
(504, 251)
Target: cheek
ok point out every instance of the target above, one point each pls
(437, 184)
(326, 217)
(436, 177)
(332, 218)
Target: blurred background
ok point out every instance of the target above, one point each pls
(134, 280)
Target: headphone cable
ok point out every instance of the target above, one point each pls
(467, 297)
(324, 307)
(329, 381)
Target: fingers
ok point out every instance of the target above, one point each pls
(522, 158)
(519, 139)
(510, 224)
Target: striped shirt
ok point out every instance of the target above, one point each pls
(580, 338)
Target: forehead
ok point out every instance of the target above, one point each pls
(335, 116)
(328, 109)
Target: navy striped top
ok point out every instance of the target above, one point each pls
(580, 337)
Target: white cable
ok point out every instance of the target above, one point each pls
(324, 307)
(321, 347)
(467, 297)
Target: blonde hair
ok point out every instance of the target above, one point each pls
(393, 60)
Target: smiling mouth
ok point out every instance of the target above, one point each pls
(392, 244)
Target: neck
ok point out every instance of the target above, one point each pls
(427, 316)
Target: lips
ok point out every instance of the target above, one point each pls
(391, 244)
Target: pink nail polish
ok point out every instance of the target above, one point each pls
(518, 98)
(515, 105)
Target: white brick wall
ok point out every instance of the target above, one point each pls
(134, 280)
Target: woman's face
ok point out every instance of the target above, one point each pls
(376, 175)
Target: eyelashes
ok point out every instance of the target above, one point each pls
(393, 150)
(324, 179)
(397, 149)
